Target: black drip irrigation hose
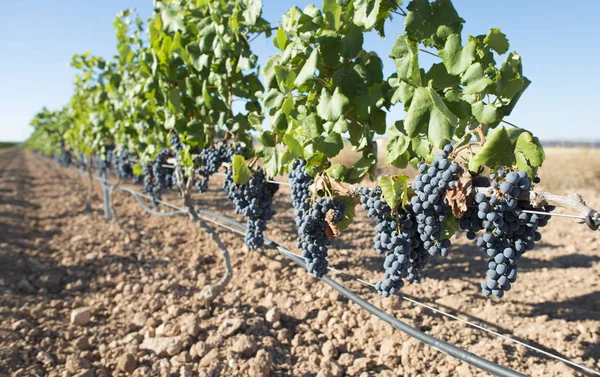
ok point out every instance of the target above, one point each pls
(440, 345)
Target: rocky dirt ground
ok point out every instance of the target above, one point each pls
(80, 298)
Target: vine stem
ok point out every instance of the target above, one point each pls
(88, 200)
(112, 207)
(210, 291)
(573, 203)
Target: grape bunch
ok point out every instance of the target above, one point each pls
(103, 165)
(300, 182)
(311, 219)
(157, 176)
(254, 200)
(149, 187)
(397, 238)
(429, 203)
(65, 159)
(124, 165)
(312, 237)
(227, 151)
(508, 231)
(175, 142)
(163, 176)
(208, 161)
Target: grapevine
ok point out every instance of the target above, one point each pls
(165, 109)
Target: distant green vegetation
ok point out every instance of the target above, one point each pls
(7, 144)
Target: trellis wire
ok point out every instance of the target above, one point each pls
(439, 345)
(524, 210)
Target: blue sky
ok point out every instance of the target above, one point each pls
(556, 40)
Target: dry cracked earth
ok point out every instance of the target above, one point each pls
(78, 297)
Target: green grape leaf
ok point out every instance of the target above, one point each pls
(352, 42)
(337, 171)
(330, 145)
(172, 19)
(428, 114)
(206, 38)
(271, 158)
(510, 81)
(531, 148)
(206, 96)
(397, 147)
(137, 169)
(474, 79)
(485, 113)
(274, 99)
(522, 164)
(280, 39)
(406, 57)
(366, 13)
(349, 211)
(269, 71)
(450, 226)
(333, 13)
(308, 69)
(279, 121)
(357, 172)
(241, 173)
(497, 151)
(175, 99)
(432, 23)
(440, 76)
(378, 122)
(288, 105)
(293, 144)
(422, 148)
(195, 132)
(332, 107)
(497, 41)
(457, 58)
(253, 11)
(394, 189)
(311, 126)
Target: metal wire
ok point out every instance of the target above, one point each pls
(553, 214)
(525, 210)
(288, 253)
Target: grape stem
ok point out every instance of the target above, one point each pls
(573, 203)
(210, 291)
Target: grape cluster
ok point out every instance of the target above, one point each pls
(508, 231)
(65, 159)
(209, 161)
(311, 219)
(312, 238)
(429, 203)
(254, 200)
(175, 142)
(149, 187)
(227, 151)
(103, 165)
(397, 238)
(157, 176)
(124, 165)
(300, 182)
(163, 176)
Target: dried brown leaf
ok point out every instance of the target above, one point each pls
(339, 187)
(457, 197)
(331, 229)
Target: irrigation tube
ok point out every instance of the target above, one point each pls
(440, 345)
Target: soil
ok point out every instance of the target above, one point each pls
(78, 297)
